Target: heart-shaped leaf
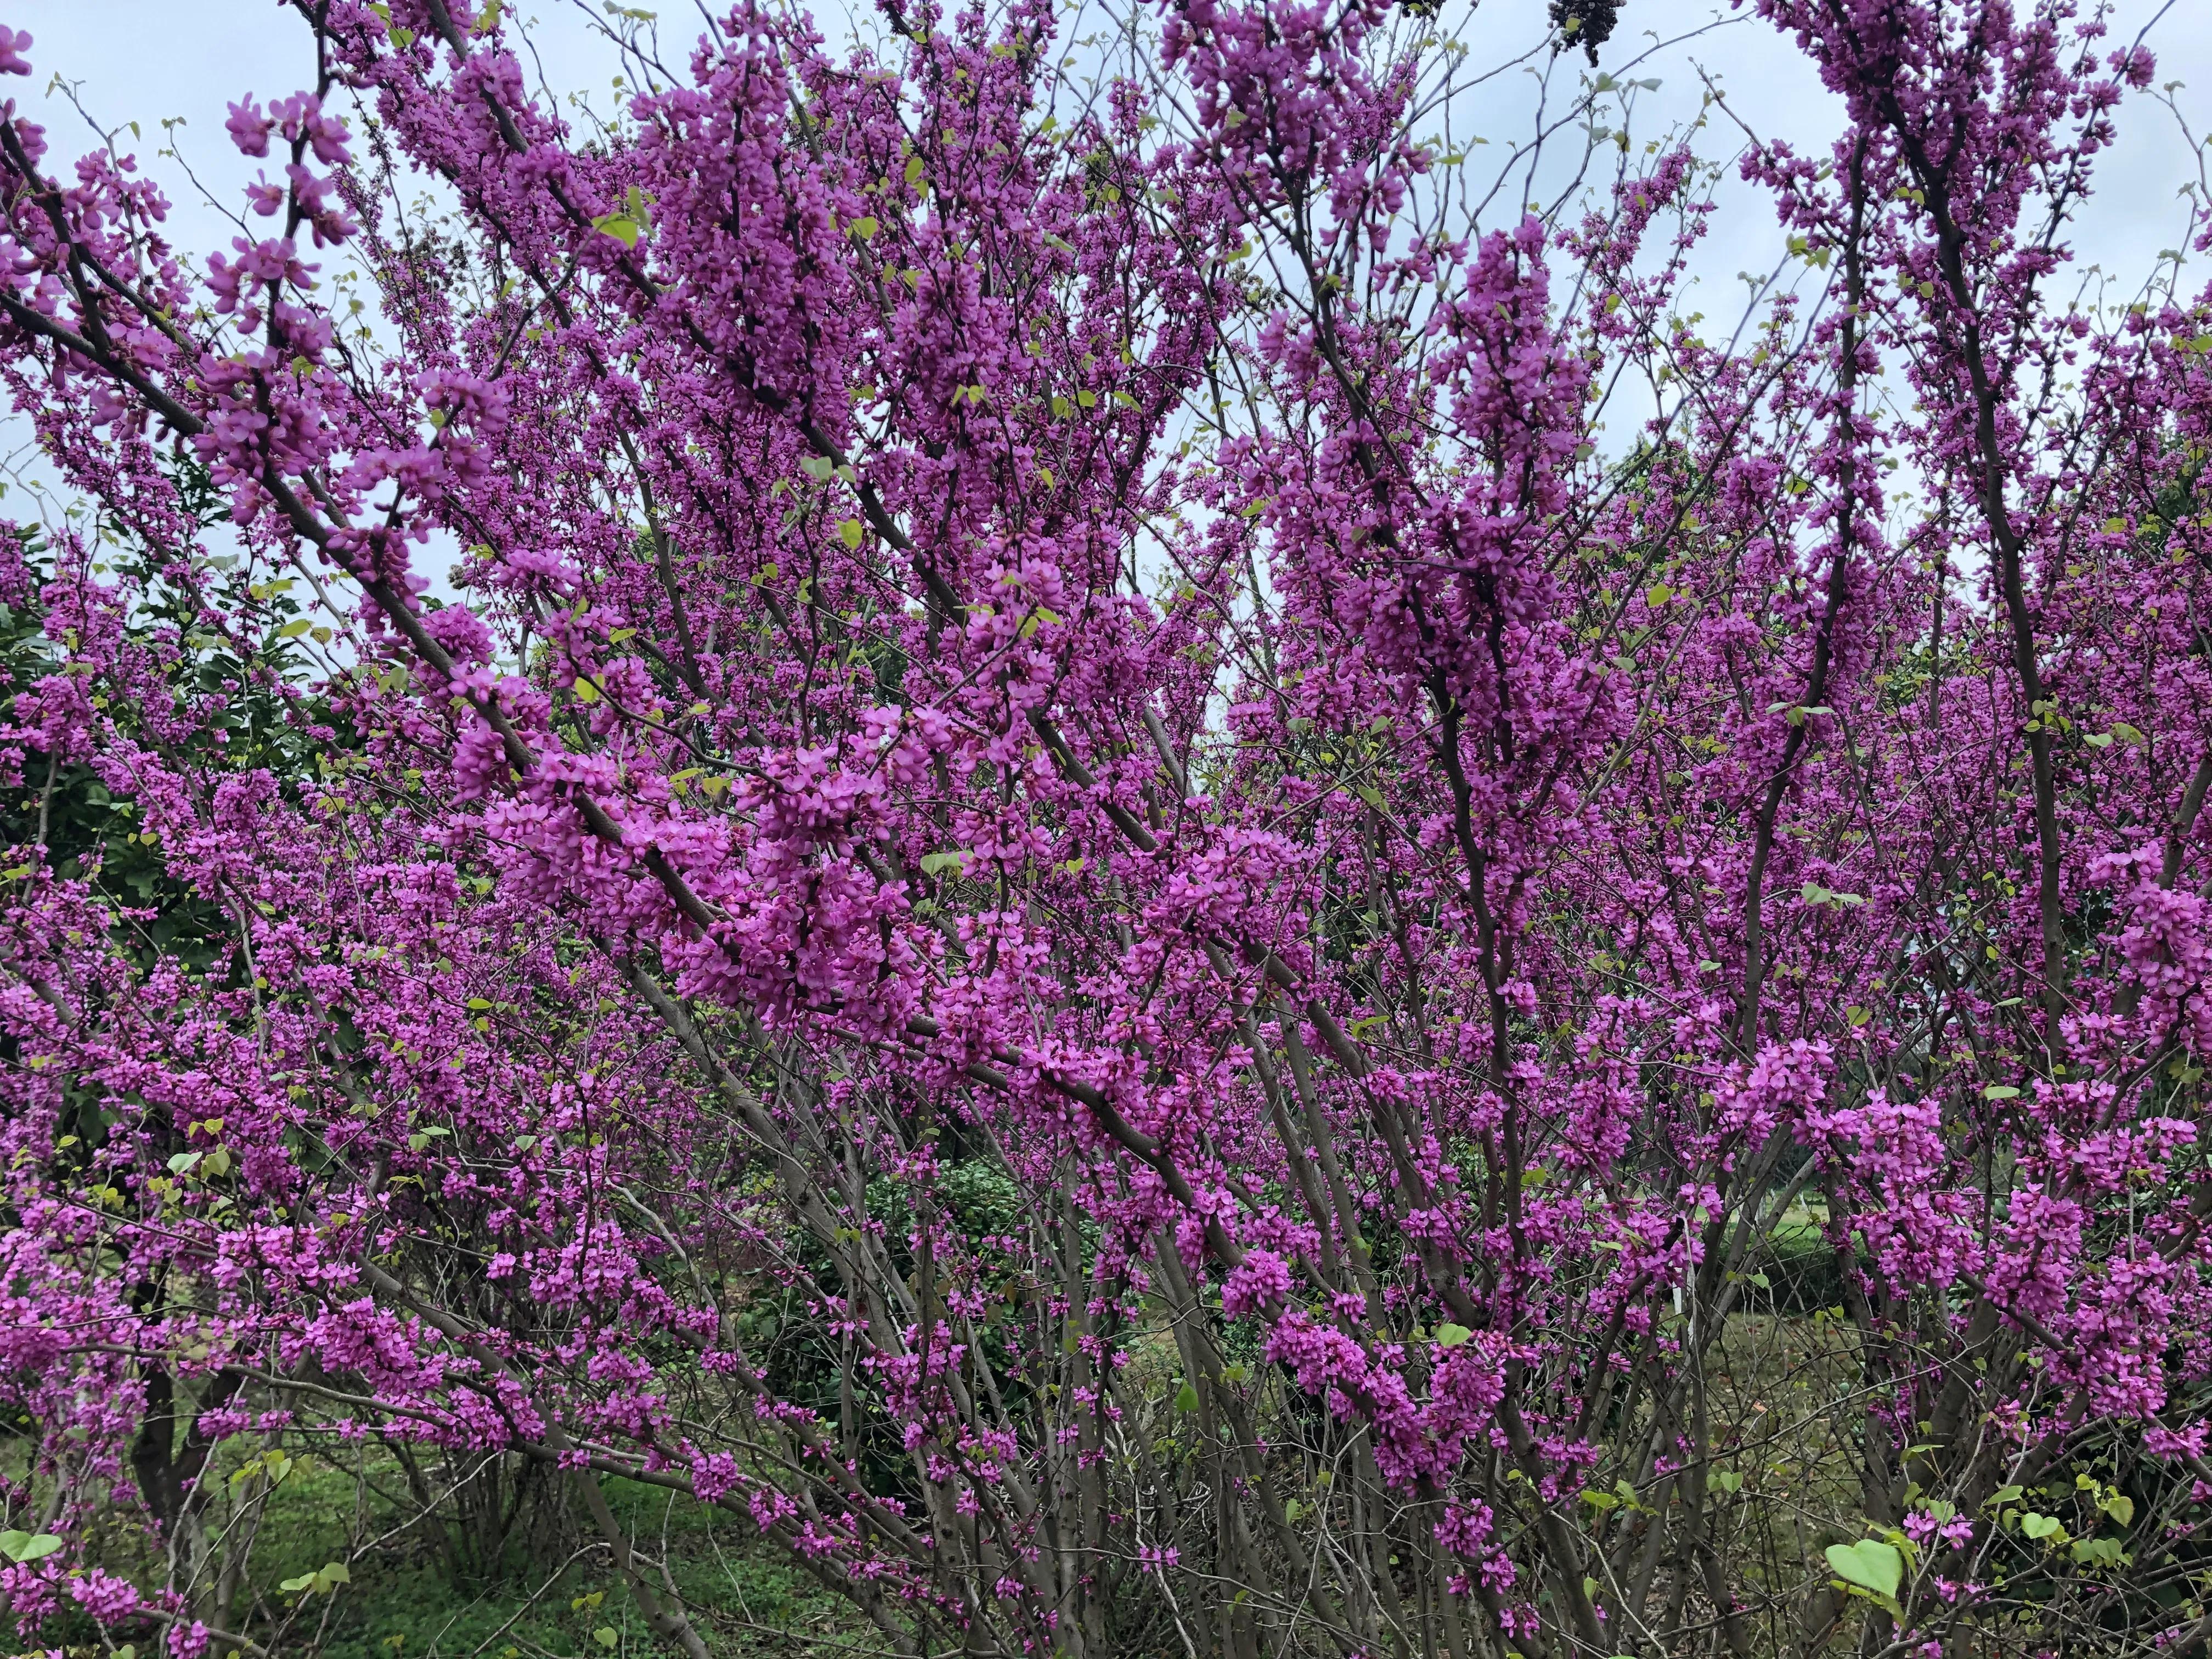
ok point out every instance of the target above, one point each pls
(620, 226)
(1869, 1564)
(1451, 1336)
(28, 1546)
(2039, 1526)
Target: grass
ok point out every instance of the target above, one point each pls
(400, 1603)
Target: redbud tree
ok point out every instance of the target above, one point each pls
(1160, 882)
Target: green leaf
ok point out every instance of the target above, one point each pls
(607, 1637)
(864, 227)
(817, 467)
(2040, 1526)
(850, 533)
(2098, 1552)
(936, 864)
(620, 226)
(1999, 1091)
(2121, 1508)
(1870, 1564)
(1451, 1336)
(1187, 1397)
(28, 1546)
